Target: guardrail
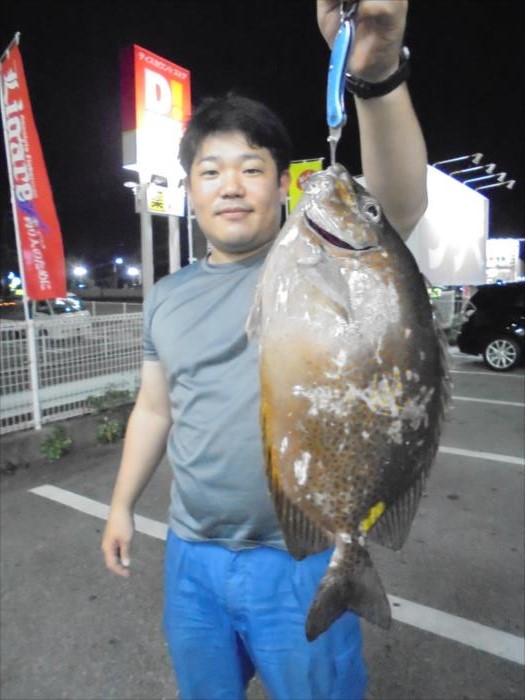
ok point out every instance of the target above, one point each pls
(49, 369)
(104, 308)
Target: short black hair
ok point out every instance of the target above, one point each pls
(261, 127)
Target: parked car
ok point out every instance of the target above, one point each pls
(61, 317)
(494, 325)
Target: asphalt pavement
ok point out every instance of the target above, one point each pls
(69, 629)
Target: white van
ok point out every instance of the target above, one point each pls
(57, 319)
(62, 317)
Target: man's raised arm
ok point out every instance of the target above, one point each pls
(393, 151)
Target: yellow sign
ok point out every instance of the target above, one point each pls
(300, 171)
(157, 199)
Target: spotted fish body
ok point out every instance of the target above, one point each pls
(353, 388)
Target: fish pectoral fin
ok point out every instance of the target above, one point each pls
(331, 284)
(358, 589)
(392, 528)
(253, 325)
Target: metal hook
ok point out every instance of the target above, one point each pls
(348, 9)
(335, 106)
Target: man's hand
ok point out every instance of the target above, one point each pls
(379, 30)
(116, 541)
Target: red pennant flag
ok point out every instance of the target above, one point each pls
(39, 238)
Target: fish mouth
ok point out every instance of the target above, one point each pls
(330, 238)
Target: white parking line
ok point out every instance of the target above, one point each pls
(146, 526)
(491, 456)
(493, 401)
(492, 641)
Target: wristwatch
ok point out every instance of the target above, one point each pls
(365, 90)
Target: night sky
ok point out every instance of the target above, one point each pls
(467, 85)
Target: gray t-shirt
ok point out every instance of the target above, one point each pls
(194, 324)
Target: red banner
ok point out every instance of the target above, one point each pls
(39, 238)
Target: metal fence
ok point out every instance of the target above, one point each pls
(50, 369)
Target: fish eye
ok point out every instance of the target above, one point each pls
(372, 211)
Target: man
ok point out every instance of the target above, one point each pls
(235, 600)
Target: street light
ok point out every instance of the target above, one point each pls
(116, 262)
(146, 232)
(14, 281)
(79, 271)
(135, 188)
(508, 184)
(474, 157)
(500, 177)
(487, 168)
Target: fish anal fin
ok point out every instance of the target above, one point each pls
(362, 592)
(301, 534)
(392, 528)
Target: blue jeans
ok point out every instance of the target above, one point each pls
(229, 614)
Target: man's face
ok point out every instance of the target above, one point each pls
(236, 195)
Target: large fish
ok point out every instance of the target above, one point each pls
(354, 383)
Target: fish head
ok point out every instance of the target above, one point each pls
(341, 212)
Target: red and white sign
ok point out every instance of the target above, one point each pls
(39, 238)
(156, 105)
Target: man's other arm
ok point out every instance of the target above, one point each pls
(144, 447)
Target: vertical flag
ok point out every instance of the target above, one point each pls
(300, 171)
(39, 239)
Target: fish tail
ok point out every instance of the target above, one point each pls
(357, 588)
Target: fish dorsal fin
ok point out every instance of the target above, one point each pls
(301, 534)
(392, 528)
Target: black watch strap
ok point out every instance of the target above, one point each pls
(365, 90)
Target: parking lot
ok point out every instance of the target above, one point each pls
(71, 630)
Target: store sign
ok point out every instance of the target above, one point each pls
(156, 105)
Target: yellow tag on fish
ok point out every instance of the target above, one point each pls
(373, 515)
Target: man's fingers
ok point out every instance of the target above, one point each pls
(117, 558)
(124, 554)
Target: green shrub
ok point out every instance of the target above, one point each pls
(56, 445)
(110, 430)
